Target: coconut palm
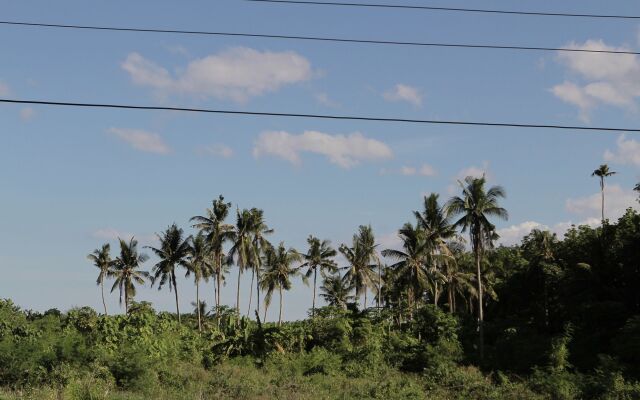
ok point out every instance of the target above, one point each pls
(126, 273)
(259, 244)
(241, 249)
(278, 270)
(603, 172)
(437, 224)
(411, 267)
(198, 264)
(337, 291)
(459, 281)
(218, 233)
(319, 257)
(475, 207)
(102, 260)
(173, 252)
(363, 261)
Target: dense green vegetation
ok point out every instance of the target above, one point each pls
(454, 315)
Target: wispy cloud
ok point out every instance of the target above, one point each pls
(602, 79)
(4, 89)
(216, 150)
(27, 114)
(325, 100)
(627, 152)
(617, 200)
(237, 74)
(141, 140)
(405, 93)
(345, 151)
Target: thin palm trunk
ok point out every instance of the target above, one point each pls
(602, 194)
(198, 305)
(450, 299)
(313, 305)
(480, 298)
(435, 294)
(280, 314)
(379, 286)
(238, 291)
(253, 275)
(126, 301)
(103, 302)
(258, 290)
(175, 291)
(265, 312)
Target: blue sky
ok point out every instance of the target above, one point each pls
(73, 179)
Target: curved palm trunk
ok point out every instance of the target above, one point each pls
(103, 302)
(198, 305)
(280, 314)
(313, 304)
(435, 294)
(265, 312)
(450, 293)
(175, 291)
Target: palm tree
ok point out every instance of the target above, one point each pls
(102, 260)
(259, 244)
(411, 266)
(174, 250)
(198, 265)
(126, 272)
(242, 247)
(363, 261)
(602, 172)
(319, 257)
(337, 291)
(218, 232)
(475, 207)
(459, 281)
(437, 224)
(637, 189)
(278, 271)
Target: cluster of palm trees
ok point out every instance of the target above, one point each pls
(427, 266)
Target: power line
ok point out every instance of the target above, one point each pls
(452, 9)
(312, 38)
(319, 116)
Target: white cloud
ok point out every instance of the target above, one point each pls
(237, 74)
(4, 89)
(628, 152)
(216, 150)
(514, 233)
(604, 79)
(389, 241)
(473, 171)
(141, 140)
(404, 93)
(617, 200)
(27, 113)
(424, 170)
(345, 151)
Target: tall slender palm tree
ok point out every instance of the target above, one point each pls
(411, 266)
(337, 291)
(259, 244)
(198, 264)
(437, 224)
(242, 247)
(363, 261)
(603, 172)
(173, 252)
(218, 233)
(102, 260)
(475, 207)
(319, 257)
(278, 263)
(126, 273)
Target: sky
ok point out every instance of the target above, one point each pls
(72, 179)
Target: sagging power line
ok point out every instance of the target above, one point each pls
(318, 116)
(312, 38)
(452, 9)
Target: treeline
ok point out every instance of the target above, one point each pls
(454, 316)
